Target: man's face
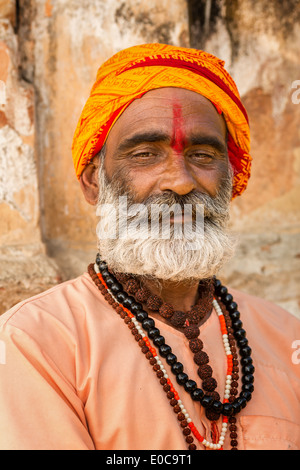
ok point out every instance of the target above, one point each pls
(169, 140)
(168, 147)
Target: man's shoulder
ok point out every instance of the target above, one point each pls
(59, 301)
(272, 331)
(259, 307)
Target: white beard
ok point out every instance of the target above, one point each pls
(167, 259)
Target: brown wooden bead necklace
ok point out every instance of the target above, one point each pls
(188, 322)
(209, 400)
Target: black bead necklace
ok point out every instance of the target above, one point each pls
(165, 351)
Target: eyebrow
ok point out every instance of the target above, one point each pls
(149, 136)
(160, 136)
(210, 140)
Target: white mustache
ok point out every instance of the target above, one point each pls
(169, 258)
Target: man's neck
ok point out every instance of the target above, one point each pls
(182, 296)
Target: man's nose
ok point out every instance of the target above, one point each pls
(177, 176)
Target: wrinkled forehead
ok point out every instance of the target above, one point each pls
(167, 98)
(165, 108)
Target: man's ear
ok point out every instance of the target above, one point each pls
(89, 183)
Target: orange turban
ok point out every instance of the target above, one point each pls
(136, 70)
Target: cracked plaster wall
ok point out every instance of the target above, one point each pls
(260, 43)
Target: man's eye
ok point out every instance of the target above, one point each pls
(143, 155)
(201, 157)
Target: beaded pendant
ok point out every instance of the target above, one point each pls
(143, 328)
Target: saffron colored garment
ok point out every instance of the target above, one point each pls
(73, 377)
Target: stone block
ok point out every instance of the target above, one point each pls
(25, 268)
(8, 11)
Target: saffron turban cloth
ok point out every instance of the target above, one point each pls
(134, 71)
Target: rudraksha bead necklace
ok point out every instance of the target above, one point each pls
(115, 295)
(183, 417)
(188, 322)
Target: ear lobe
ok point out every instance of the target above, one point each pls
(89, 184)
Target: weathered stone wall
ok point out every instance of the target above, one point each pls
(260, 43)
(25, 268)
(50, 51)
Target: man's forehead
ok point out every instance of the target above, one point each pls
(160, 108)
(169, 96)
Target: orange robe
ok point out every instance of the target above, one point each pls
(73, 377)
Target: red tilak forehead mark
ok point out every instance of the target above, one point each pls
(178, 137)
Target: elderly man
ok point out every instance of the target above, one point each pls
(148, 349)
